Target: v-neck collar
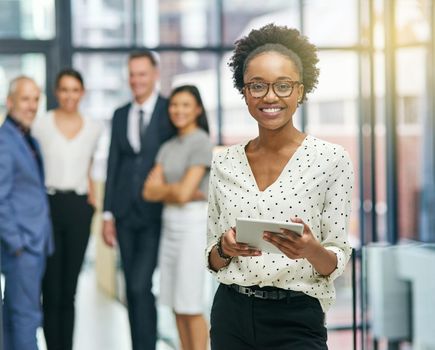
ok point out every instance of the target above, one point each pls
(62, 135)
(300, 148)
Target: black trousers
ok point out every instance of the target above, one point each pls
(71, 218)
(139, 248)
(240, 322)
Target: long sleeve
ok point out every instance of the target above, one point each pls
(112, 166)
(9, 231)
(336, 213)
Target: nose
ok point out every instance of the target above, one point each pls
(270, 96)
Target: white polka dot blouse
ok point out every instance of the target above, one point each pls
(315, 185)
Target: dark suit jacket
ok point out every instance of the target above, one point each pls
(24, 211)
(127, 170)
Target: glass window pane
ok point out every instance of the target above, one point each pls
(27, 19)
(332, 113)
(103, 96)
(197, 69)
(411, 111)
(380, 137)
(11, 66)
(177, 22)
(412, 21)
(240, 19)
(101, 23)
(339, 18)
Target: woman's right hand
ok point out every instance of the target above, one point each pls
(232, 248)
(109, 233)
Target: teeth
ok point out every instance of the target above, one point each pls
(271, 110)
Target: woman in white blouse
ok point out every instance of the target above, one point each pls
(266, 300)
(68, 141)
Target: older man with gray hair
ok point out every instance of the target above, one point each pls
(25, 228)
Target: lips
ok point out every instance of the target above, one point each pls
(271, 110)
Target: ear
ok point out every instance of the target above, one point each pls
(300, 92)
(244, 95)
(9, 103)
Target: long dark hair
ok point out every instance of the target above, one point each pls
(193, 90)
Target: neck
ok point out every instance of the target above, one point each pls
(187, 130)
(141, 99)
(274, 140)
(61, 113)
(20, 125)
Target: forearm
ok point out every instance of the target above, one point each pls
(168, 193)
(157, 192)
(215, 261)
(323, 260)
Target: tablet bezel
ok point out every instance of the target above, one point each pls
(250, 231)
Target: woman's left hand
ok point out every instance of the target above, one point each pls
(293, 245)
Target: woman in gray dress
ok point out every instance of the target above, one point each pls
(180, 180)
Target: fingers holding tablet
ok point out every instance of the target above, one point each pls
(233, 248)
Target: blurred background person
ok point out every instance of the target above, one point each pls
(138, 130)
(180, 180)
(68, 141)
(25, 227)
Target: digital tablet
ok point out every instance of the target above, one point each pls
(250, 231)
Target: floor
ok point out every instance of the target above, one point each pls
(102, 322)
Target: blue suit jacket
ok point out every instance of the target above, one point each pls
(127, 170)
(24, 211)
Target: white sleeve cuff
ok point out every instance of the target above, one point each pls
(107, 216)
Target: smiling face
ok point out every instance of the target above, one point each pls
(184, 111)
(23, 102)
(272, 112)
(143, 76)
(69, 92)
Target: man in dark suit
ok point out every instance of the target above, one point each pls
(25, 227)
(138, 130)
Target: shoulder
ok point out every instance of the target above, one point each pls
(162, 100)
(96, 126)
(201, 138)
(168, 144)
(228, 156)
(161, 104)
(5, 130)
(325, 148)
(331, 153)
(41, 123)
(122, 111)
(8, 137)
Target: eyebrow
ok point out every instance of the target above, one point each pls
(278, 79)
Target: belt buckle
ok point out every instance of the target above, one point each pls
(261, 294)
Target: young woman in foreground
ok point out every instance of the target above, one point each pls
(277, 301)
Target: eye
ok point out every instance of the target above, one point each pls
(258, 86)
(283, 86)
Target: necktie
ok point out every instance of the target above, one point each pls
(141, 126)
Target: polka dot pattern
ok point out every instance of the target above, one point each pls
(315, 185)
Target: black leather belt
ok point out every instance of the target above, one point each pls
(53, 191)
(271, 293)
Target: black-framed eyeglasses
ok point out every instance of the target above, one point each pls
(283, 88)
